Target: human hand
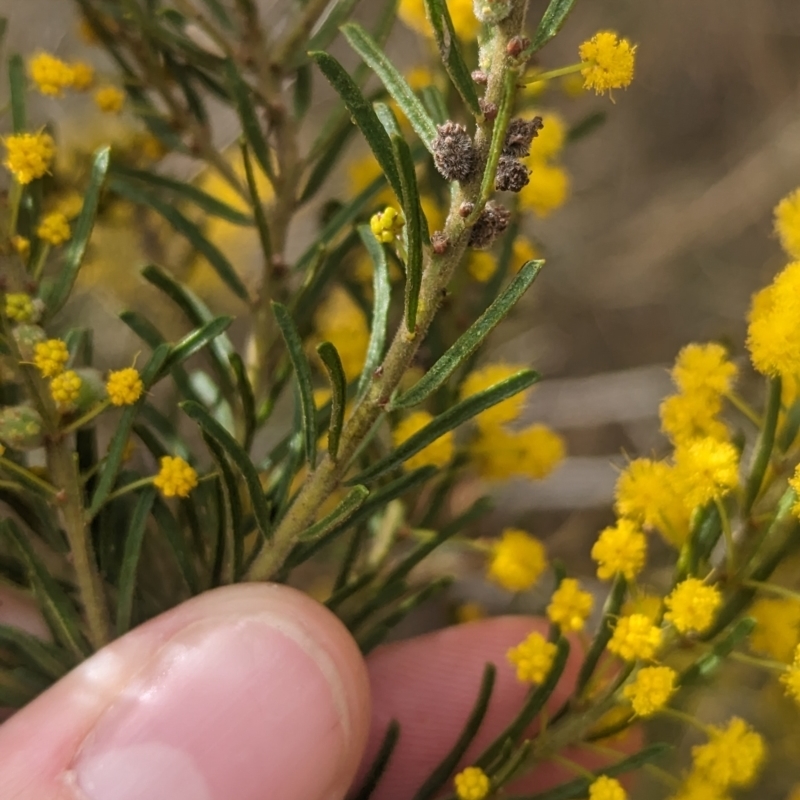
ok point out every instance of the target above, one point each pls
(254, 692)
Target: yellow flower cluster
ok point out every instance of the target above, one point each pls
(533, 658)
(124, 386)
(29, 155)
(471, 783)
(387, 225)
(19, 307)
(651, 689)
(438, 453)
(635, 637)
(65, 388)
(176, 478)
(485, 378)
(608, 62)
(341, 321)
(548, 186)
(82, 76)
(622, 549)
(777, 630)
(109, 99)
(605, 788)
(50, 357)
(54, 229)
(50, 74)
(691, 606)
(21, 245)
(707, 470)
(732, 756)
(412, 13)
(569, 606)
(791, 677)
(787, 223)
(517, 561)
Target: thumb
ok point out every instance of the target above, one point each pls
(245, 692)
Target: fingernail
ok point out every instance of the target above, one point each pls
(246, 709)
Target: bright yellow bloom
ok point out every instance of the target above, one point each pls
(486, 377)
(523, 252)
(635, 637)
(732, 756)
(19, 307)
(517, 561)
(50, 357)
(341, 321)
(29, 155)
(692, 605)
(70, 205)
(549, 142)
(791, 678)
(124, 386)
(651, 690)
(438, 453)
(621, 548)
(82, 75)
(433, 212)
(50, 74)
(546, 191)
(787, 223)
(692, 416)
(777, 630)
(21, 245)
(471, 783)
(109, 99)
(569, 606)
(605, 788)
(533, 658)
(481, 265)
(706, 470)
(387, 224)
(412, 13)
(698, 787)
(533, 452)
(609, 62)
(54, 229)
(176, 478)
(704, 368)
(648, 604)
(65, 389)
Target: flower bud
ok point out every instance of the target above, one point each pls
(27, 337)
(92, 391)
(21, 427)
(490, 224)
(520, 134)
(387, 224)
(512, 175)
(453, 152)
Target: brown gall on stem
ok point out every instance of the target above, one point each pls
(512, 175)
(520, 134)
(480, 77)
(490, 224)
(489, 110)
(454, 152)
(517, 45)
(439, 242)
(465, 209)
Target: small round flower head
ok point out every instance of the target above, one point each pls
(651, 689)
(692, 416)
(605, 788)
(622, 548)
(50, 74)
(490, 224)
(109, 99)
(19, 307)
(707, 470)
(176, 478)
(387, 225)
(481, 265)
(517, 560)
(341, 321)
(519, 135)
(54, 229)
(438, 453)
(704, 369)
(608, 62)
(533, 452)
(644, 491)
(546, 191)
(50, 357)
(551, 138)
(471, 783)
(512, 175)
(790, 678)
(732, 756)
(29, 155)
(533, 658)
(454, 152)
(124, 386)
(65, 388)
(82, 76)
(692, 605)
(21, 245)
(698, 787)
(635, 637)
(465, 23)
(787, 223)
(777, 630)
(484, 378)
(569, 606)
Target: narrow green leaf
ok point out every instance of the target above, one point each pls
(766, 441)
(168, 526)
(352, 502)
(43, 657)
(302, 372)
(184, 191)
(16, 79)
(444, 769)
(333, 364)
(302, 91)
(116, 448)
(239, 458)
(471, 339)
(58, 610)
(435, 104)
(381, 298)
(450, 53)
(247, 399)
(195, 341)
(130, 559)
(338, 15)
(706, 665)
(186, 228)
(554, 17)
(363, 115)
(73, 257)
(258, 208)
(413, 228)
(380, 762)
(394, 82)
(388, 119)
(448, 421)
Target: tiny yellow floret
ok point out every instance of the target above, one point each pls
(438, 453)
(19, 307)
(29, 155)
(569, 606)
(21, 245)
(533, 452)
(54, 228)
(50, 357)
(777, 630)
(549, 141)
(692, 606)
(704, 368)
(731, 757)
(65, 389)
(533, 658)
(692, 415)
(387, 225)
(517, 560)
(787, 223)
(82, 76)
(50, 74)
(484, 378)
(176, 478)
(651, 690)
(706, 470)
(605, 788)
(124, 386)
(109, 99)
(635, 637)
(622, 548)
(472, 783)
(341, 321)
(547, 189)
(790, 678)
(608, 62)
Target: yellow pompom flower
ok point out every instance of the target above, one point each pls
(546, 191)
(569, 606)
(387, 224)
(620, 548)
(692, 605)
(486, 377)
(471, 783)
(533, 452)
(790, 678)
(517, 560)
(706, 470)
(109, 99)
(481, 265)
(50, 357)
(549, 142)
(777, 630)
(533, 658)
(412, 13)
(787, 223)
(698, 787)
(731, 757)
(635, 637)
(341, 321)
(21, 245)
(65, 389)
(692, 416)
(704, 368)
(124, 386)
(651, 689)
(438, 453)
(29, 155)
(19, 307)
(648, 604)
(82, 76)
(605, 788)
(54, 229)
(50, 74)
(176, 478)
(608, 62)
